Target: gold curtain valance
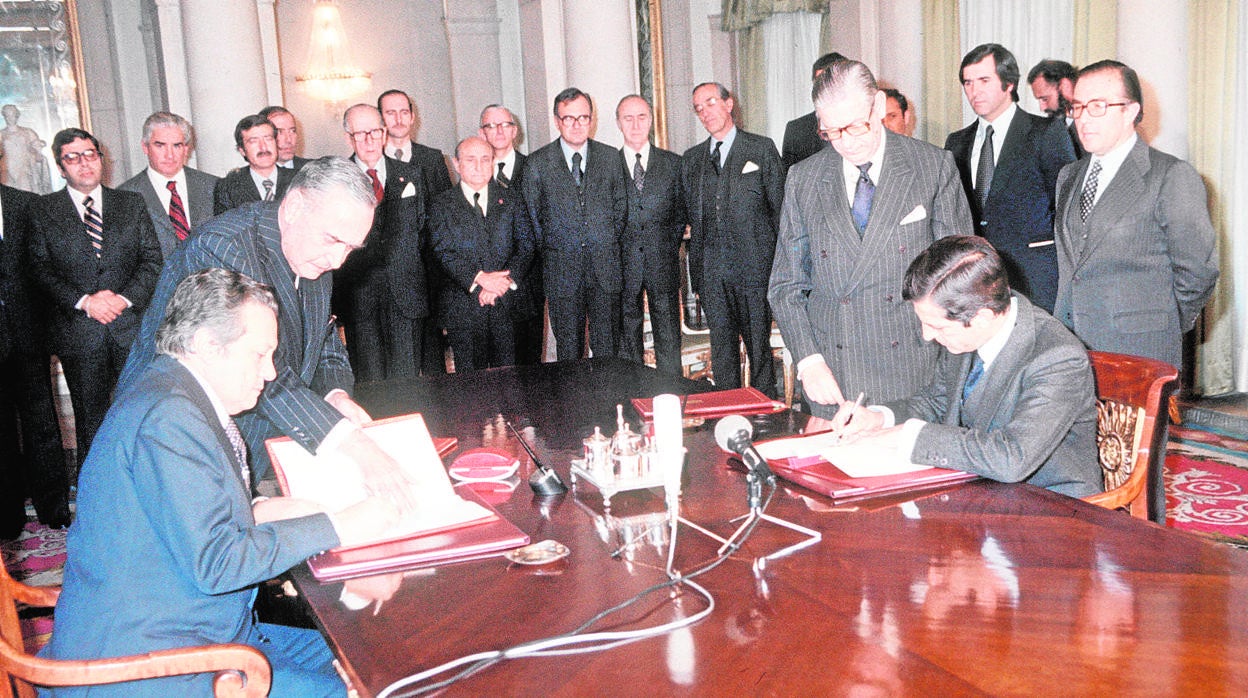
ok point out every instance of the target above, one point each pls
(743, 14)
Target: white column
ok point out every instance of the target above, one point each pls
(600, 40)
(225, 74)
(267, 19)
(1161, 59)
(472, 36)
(900, 62)
(173, 55)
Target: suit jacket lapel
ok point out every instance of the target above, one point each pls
(1120, 196)
(886, 205)
(64, 211)
(833, 203)
(998, 378)
(1008, 158)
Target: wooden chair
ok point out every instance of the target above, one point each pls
(1133, 396)
(240, 670)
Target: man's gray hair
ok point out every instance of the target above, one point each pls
(347, 114)
(510, 114)
(843, 79)
(331, 173)
(209, 299)
(162, 119)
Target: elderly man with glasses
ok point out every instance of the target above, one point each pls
(854, 217)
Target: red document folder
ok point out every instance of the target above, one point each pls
(823, 477)
(717, 404)
(474, 541)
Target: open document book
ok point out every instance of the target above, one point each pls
(335, 483)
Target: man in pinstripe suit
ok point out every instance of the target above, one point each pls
(854, 216)
(292, 246)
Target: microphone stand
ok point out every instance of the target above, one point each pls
(755, 498)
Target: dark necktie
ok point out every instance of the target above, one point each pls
(177, 212)
(972, 378)
(378, 191)
(983, 173)
(476, 204)
(268, 189)
(398, 154)
(863, 194)
(240, 451)
(1088, 197)
(503, 180)
(715, 156)
(577, 174)
(639, 173)
(95, 225)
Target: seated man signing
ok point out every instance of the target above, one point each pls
(1013, 396)
(166, 550)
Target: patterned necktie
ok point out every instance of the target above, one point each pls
(177, 212)
(639, 173)
(378, 191)
(476, 204)
(863, 194)
(268, 189)
(972, 378)
(1088, 197)
(577, 174)
(503, 180)
(987, 163)
(95, 225)
(240, 451)
(715, 156)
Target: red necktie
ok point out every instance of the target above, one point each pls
(177, 213)
(378, 190)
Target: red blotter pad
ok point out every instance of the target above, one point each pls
(717, 403)
(817, 474)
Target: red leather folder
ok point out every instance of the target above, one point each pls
(488, 538)
(825, 478)
(717, 403)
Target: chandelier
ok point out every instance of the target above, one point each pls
(331, 76)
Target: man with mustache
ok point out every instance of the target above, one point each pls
(261, 179)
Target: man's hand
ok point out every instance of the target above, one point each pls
(819, 385)
(376, 588)
(104, 306)
(485, 298)
(857, 422)
(278, 508)
(348, 407)
(496, 282)
(365, 521)
(383, 477)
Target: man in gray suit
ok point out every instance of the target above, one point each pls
(854, 216)
(1135, 246)
(178, 197)
(1012, 398)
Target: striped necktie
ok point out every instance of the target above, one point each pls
(268, 189)
(177, 212)
(95, 225)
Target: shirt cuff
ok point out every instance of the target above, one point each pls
(808, 362)
(127, 300)
(890, 419)
(339, 433)
(909, 435)
(81, 304)
(476, 282)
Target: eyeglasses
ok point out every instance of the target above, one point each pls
(86, 155)
(858, 128)
(569, 119)
(1096, 107)
(505, 124)
(374, 134)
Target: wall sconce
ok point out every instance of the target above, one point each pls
(331, 76)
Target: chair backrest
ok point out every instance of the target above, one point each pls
(1133, 394)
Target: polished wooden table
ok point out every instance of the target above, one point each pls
(979, 589)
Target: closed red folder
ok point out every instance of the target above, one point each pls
(717, 403)
(473, 541)
(823, 477)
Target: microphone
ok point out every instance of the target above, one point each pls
(735, 433)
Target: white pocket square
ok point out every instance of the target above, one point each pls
(1040, 243)
(749, 167)
(918, 214)
(409, 190)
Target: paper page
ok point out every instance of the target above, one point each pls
(862, 460)
(796, 446)
(334, 482)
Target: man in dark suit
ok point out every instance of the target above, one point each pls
(1012, 398)
(381, 287)
(93, 257)
(854, 217)
(261, 179)
(483, 238)
(656, 224)
(801, 135)
(286, 132)
(167, 549)
(1009, 160)
(1053, 84)
(733, 186)
(178, 197)
(293, 246)
(499, 128)
(31, 459)
(575, 191)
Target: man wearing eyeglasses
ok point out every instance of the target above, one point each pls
(855, 215)
(1009, 160)
(261, 180)
(93, 261)
(574, 189)
(380, 292)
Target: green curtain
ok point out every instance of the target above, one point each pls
(743, 14)
(942, 54)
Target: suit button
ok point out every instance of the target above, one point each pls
(845, 301)
(888, 298)
(823, 254)
(894, 344)
(983, 223)
(840, 346)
